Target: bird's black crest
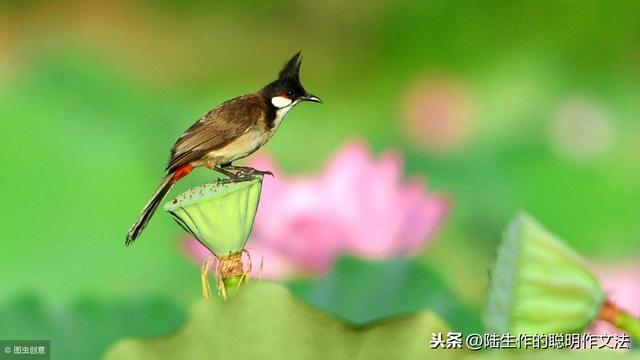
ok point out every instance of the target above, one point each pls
(291, 69)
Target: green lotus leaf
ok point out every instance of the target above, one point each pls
(220, 214)
(265, 321)
(84, 327)
(539, 285)
(366, 291)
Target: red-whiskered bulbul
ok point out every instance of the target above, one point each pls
(230, 131)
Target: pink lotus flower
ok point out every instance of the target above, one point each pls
(358, 205)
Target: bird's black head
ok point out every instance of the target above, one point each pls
(287, 89)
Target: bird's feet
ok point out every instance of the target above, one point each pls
(225, 172)
(240, 172)
(243, 171)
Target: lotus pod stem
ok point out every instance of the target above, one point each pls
(621, 319)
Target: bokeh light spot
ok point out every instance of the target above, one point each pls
(582, 129)
(437, 113)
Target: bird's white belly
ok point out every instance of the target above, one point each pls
(248, 142)
(241, 147)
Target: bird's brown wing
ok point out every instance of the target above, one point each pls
(216, 129)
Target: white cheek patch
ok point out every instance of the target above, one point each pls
(280, 101)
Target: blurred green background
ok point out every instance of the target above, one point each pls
(543, 95)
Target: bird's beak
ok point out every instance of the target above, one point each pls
(313, 98)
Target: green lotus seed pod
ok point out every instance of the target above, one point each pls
(539, 285)
(220, 214)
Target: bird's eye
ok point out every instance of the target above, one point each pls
(289, 93)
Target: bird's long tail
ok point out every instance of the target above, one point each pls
(151, 206)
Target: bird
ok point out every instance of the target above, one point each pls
(232, 130)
